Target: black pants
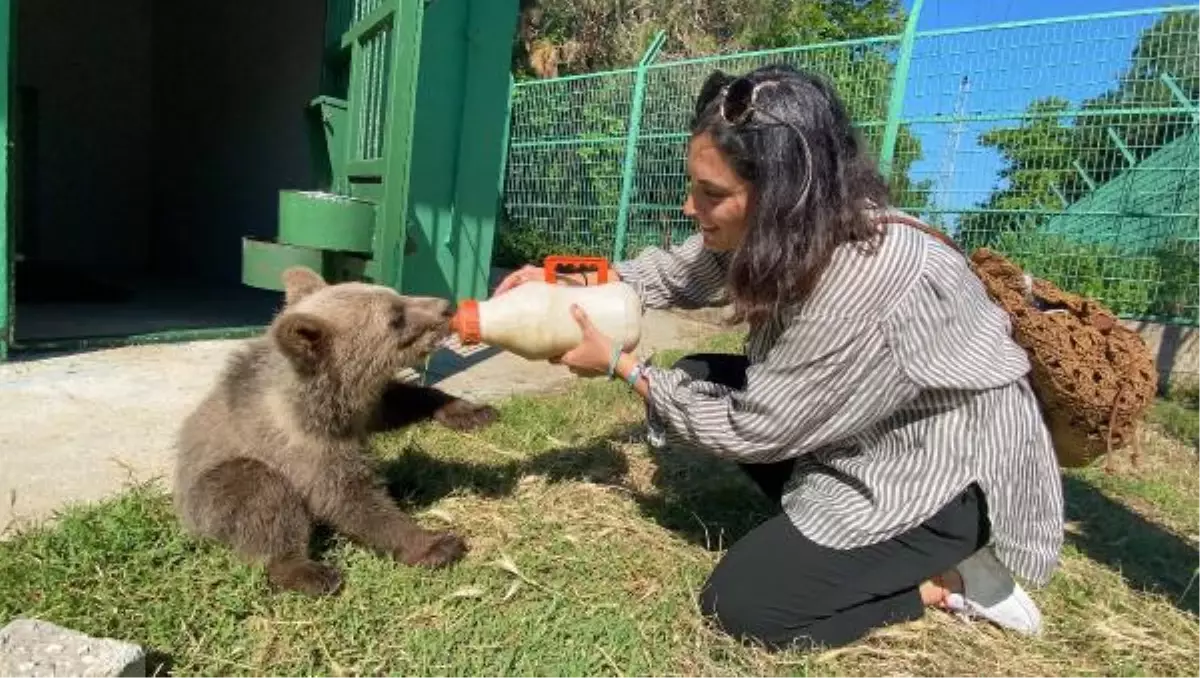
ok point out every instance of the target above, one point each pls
(780, 589)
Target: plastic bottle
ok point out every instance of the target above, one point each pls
(534, 320)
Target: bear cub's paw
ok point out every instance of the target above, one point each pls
(433, 550)
(462, 415)
(304, 576)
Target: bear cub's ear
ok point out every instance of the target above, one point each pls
(305, 339)
(299, 282)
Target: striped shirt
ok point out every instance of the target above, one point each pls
(895, 386)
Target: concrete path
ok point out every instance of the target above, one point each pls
(78, 428)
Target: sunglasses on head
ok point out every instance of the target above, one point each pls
(738, 99)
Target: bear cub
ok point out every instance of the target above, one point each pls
(280, 442)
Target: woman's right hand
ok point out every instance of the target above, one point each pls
(519, 277)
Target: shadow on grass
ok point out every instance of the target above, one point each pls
(159, 663)
(417, 479)
(707, 501)
(712, 503)
(1148, 556)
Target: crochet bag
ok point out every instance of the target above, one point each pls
(1094, 377)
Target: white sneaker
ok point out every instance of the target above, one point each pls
(989, 591)
(656, 437)
(656, 434)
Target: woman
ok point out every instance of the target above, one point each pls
(880, 400)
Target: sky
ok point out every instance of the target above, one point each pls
(955, 13)
(1007, 69)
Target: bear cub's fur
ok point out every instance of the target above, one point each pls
(280, 442)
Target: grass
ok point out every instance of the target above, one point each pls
(1177, 415)
(587, 550)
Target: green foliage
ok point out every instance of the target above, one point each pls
(784, 23)
(1179, 284)
(599, 35)
(1048, 146)
(522, 244)
(1097, 271)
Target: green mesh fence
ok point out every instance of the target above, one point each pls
(563, 182)
(1068, 144)
(859, 70)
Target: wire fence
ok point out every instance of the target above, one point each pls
(1068, 144)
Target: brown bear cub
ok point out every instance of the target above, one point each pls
(280, 442)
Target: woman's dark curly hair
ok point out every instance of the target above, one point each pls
(813, 182)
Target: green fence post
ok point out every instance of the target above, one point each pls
(891, 132)
(1177, 92)
(631, 137)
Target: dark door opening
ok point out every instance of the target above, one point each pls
(149, 137)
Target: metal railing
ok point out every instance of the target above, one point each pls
(1069, 144)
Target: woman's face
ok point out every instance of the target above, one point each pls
(719, 199)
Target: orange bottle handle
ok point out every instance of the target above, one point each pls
(552, 264)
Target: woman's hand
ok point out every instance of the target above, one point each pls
(593, 356)
(521, 276)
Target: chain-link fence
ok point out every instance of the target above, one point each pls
(1071, 144)
(1068, 144)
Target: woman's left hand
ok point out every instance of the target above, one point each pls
(591, 358)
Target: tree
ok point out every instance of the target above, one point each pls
(1040, 154)
(1037, 155)
(562, 37)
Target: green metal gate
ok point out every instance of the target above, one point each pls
(407, 84)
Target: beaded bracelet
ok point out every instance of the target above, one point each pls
(634, 374)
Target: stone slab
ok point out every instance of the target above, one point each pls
(32, 647)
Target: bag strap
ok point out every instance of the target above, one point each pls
(1112, 417)
(920, 226)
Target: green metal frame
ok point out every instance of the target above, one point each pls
(423, 84)
(372, 53)
(403, 18)
(459, 144)
(6, 225)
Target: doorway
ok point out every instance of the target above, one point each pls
(148, 139)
